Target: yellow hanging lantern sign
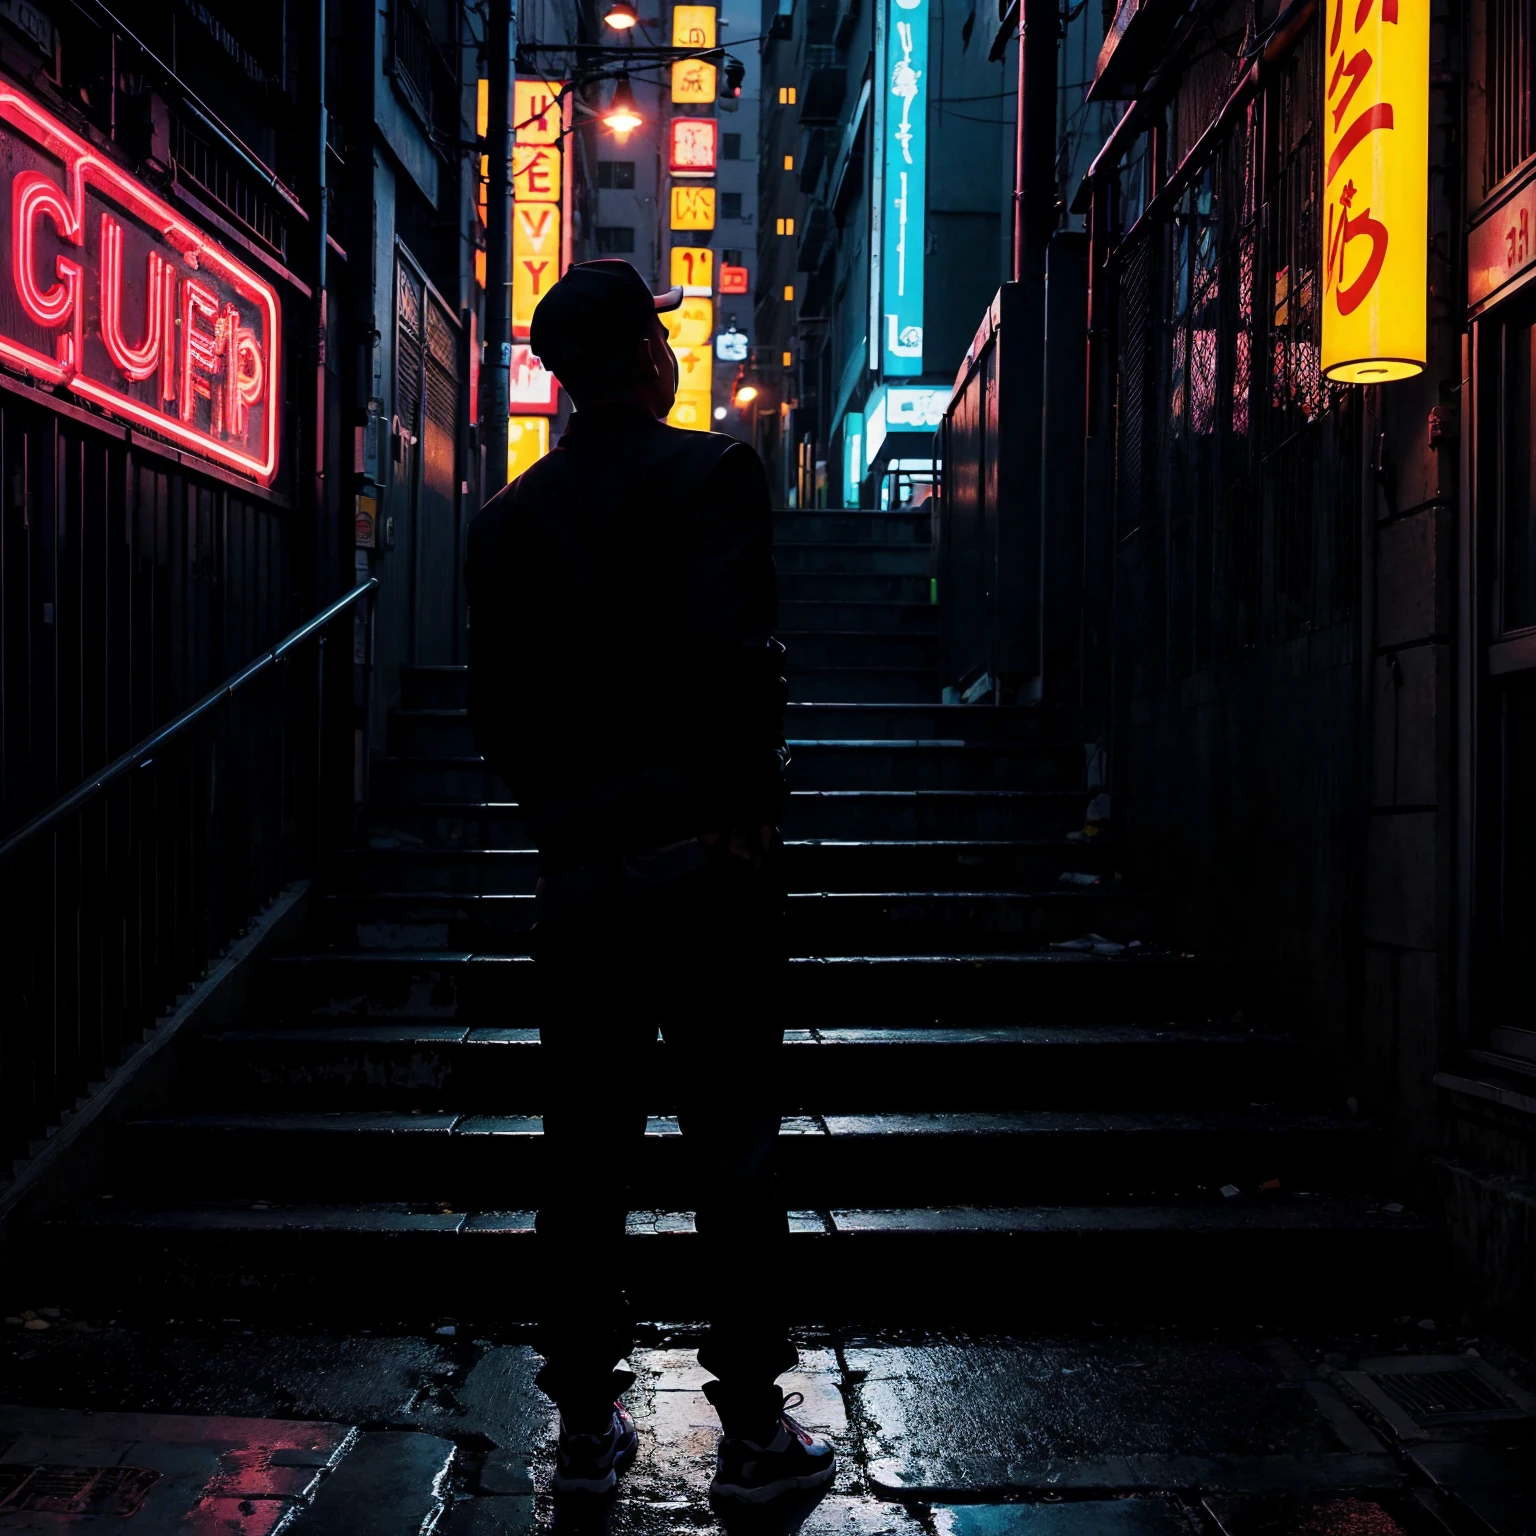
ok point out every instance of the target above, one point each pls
(1375, 190)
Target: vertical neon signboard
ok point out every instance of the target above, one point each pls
(1375, 190)
(541, 206)
(853, 457)
(903, 127)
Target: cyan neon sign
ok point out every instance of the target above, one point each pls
(853, 457)
(903, 132)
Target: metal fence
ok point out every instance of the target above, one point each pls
(423, 62)
(1237, 464)
(1509, 129)
(129, 589)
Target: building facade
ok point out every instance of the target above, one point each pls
(885, 229)
(1283, 604)
(237, 376)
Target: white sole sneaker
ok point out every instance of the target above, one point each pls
(763, 1493)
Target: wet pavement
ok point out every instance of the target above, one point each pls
(230, 1427)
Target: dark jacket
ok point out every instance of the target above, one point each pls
(623, 677)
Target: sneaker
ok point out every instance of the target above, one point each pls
(592, 1463)
(755, 1473)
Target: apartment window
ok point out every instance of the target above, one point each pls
(789, 359)
(789, 162)
(786, 95)
(731, 259)
(789, 293)
(785, 226)
(615, 239)
(616, 174)
(1510, 137)
(730, 205)
(730, 146)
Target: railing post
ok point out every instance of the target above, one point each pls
(319, 752)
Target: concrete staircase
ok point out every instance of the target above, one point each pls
(982, 1128)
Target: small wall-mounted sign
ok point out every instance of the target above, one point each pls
(691, 146)
(366, 522)
(693, 208)
(1500, 246)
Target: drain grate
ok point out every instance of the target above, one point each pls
(89, 1491)
(1442, 1395)
(1419, 1394)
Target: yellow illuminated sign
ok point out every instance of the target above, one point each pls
(536, 111)
(536, 230)
(541, 209)
(695, 369)
(693, 82)
(1375, 190)
(693, 26)
(693, 269)
(536, 173)
(527, 443)
(691, 410)
(693, 207)
(691, 323)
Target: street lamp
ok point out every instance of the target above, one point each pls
(621, 15)
(622, 115)
(746, 394)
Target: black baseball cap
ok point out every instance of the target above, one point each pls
(596, 304)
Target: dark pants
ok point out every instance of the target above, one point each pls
(622, 951)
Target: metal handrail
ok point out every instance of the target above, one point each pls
(136, 756)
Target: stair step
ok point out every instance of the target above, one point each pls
(946, 815)
(819, 922)
(862, 685)
(448, 824)
(807, 616)
(451, 778)
(852, 648)
(818, 611)
(797, 586)
(1284, 1258)
(828, 557)
(434, 687)
(466, 1160)
(478, 811)
(418, 733)
(927, 721)
(808, 866)
(817, 766)
(1048, 986)
(379, 1063)
(852, 527)
(927, 765)
(833, 725)
(902, 817)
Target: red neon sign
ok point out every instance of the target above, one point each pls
(733, 279)
(117, 297)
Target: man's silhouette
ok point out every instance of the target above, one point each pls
(625, 683)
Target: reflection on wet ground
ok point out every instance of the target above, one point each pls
(1157, 1432)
